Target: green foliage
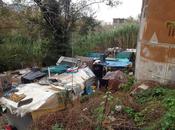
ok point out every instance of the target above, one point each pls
(161, 98)
(18, 52)
(84, 98)
(100, 112)
(129, 111)
(57, 127)
(150, 94)
(124, 36)
(127, 86)
(22, 43)
(136, 116)
(167, 121)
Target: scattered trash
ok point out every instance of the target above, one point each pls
(75, 81)
(85, 109)
(73, 70)
(88, 90)
(112, 118)
(9, 127)
(70, 78)
(35, 74)
(59, 69)
(118, 108)
(67, 61)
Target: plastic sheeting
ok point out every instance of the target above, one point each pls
(42, 96)
(56, 69)
(124, 55)
(118, 63)
(76, 81)
(46, 96)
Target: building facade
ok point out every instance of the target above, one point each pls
(156, 42)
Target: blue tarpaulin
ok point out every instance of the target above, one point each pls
(118, 63)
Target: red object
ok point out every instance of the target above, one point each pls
(8, 127)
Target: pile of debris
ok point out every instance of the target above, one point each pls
(28, 94)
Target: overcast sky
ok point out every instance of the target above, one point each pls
(126, 9)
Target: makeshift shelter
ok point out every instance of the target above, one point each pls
(30, 102)
(75, 81)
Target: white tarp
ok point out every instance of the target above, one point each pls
(75, 79)
(39, 94)
(45, 96)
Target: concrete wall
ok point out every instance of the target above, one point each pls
(156, 42)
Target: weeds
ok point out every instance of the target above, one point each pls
(136, 116)
(124, 36)
(159, 107)
(102, 111)
(57, 127)
(127, 86)
(22, 52)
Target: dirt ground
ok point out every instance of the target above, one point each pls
(82, 116)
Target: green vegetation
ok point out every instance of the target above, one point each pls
(19, 52)
(57, 127)
(124, 36)
(157, 111)
(31, 35)
(127, 86)
(136, 116)
(100, 112)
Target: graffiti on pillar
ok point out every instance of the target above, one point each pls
(171, 26)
